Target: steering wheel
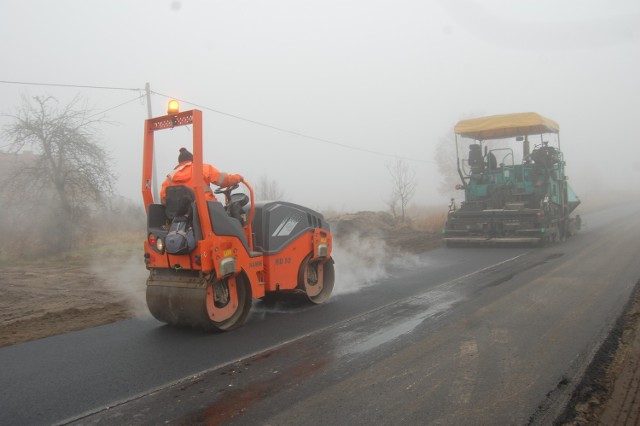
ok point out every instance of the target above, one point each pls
(224, 190)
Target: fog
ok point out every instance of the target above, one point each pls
(386, 76)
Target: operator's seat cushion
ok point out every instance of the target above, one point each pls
(179, 200)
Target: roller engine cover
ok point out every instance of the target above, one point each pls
(276, 223)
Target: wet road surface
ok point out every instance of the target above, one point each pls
(462, 336)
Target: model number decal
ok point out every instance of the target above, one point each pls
(283, 261)
(286, 226)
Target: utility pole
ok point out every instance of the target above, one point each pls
(154, 174)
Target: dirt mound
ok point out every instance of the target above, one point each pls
(382, 225)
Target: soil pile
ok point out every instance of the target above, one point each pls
(382, 225)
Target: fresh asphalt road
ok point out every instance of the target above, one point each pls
(461, 336)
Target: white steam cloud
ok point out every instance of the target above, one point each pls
(361, 261)
(126, 279)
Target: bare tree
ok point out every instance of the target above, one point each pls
(404, 182)
(392, 203)
(268, 189)
(68, 164)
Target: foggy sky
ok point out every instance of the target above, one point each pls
(388, 76)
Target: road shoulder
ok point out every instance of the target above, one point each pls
(609, 392)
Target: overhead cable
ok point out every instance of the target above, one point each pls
(117, 106)
(258, 123)
(293, 132)
(70, 85)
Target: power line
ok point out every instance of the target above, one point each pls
(293, 132)
(70, 85)
(98, 113)
(86, 87)
(258, 123)
(117, 106)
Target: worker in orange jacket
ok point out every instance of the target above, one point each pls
(181, 175)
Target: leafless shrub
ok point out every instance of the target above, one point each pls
(268, 189)
(404, 186)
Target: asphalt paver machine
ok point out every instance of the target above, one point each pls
(514, 183)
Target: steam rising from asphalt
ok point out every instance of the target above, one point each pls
(361, 261)
(126, 279)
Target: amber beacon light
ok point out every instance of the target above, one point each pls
(173, 107)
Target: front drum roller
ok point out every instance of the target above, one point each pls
(316, 278)
(222, 305)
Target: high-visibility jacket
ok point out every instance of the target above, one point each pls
(181, 175)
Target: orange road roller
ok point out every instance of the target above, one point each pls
(209, 260)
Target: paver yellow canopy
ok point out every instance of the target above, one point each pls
(506, 126)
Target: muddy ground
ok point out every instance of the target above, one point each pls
(95, 287)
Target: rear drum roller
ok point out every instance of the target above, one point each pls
(223, 305)
(316, 279)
